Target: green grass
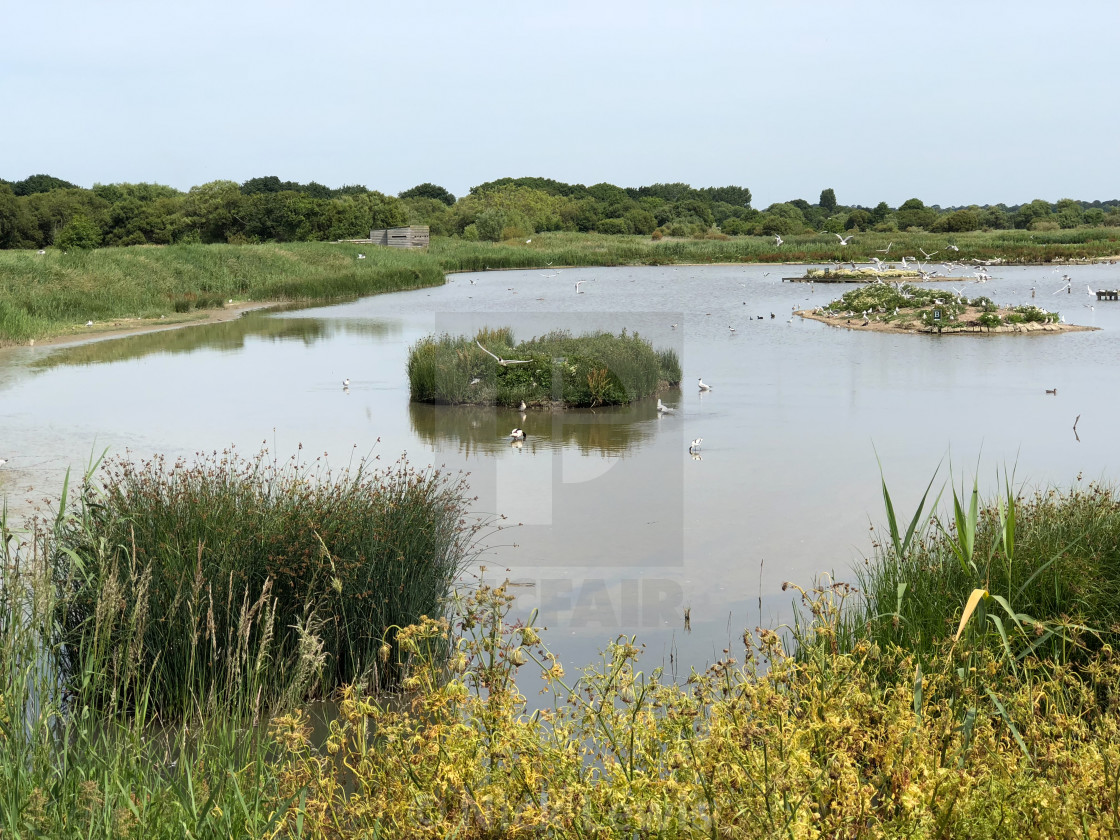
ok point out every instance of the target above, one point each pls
(56, 293)
(587, 370)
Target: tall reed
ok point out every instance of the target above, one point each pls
(198, 579)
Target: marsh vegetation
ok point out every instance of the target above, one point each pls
(587, 370)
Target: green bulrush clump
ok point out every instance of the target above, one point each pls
(587, 370)
(194, 568)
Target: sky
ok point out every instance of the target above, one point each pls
(955, 103)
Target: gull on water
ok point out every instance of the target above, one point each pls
(499, 359)
(346, 382)
(662, 408)
(578, 284)
(522, 406)
(517, 434)
(704, 387)
(694, 447)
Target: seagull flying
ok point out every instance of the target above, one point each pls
(886, 250)
(844, 239)
(499, 359)
(777, 239)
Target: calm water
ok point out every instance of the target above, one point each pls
(621, 529)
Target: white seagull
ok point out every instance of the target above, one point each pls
(89, 323)
(3, 461)
(704, 387)
(361, 256)
(578, 282)
(927, 256)
(886, 250)
(499, 359)
(694, 447)
(522, 406)
(517, 434)
(346, 382)
(662, 408)
(777, 239)
(844, 240)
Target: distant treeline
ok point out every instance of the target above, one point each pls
(42, 210)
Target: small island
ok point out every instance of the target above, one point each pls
(891, 307)
(556, 370)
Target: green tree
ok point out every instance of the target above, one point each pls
(959, 221)
(41, 184)
(642, 221)
(79, 232)
(880, 212)
(735, 196)
(859, 219)
(828, 200)
(1037, 211)
(429, 190)
(914, 214)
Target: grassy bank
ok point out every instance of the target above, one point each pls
(56, 293)
(957, 700)
(587, 370)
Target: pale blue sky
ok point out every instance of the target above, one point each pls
(952, 102)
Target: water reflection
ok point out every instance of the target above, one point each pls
(227, 336)
(477, 430)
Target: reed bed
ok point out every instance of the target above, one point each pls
(587, 370)
(191, 571)
(1044, 571)
(73, 766)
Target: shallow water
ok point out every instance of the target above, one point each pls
(621, 529)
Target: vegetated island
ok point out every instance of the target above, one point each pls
(878, 271)
(890, 307)
(556, 370)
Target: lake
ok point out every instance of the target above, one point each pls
(621, 530)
